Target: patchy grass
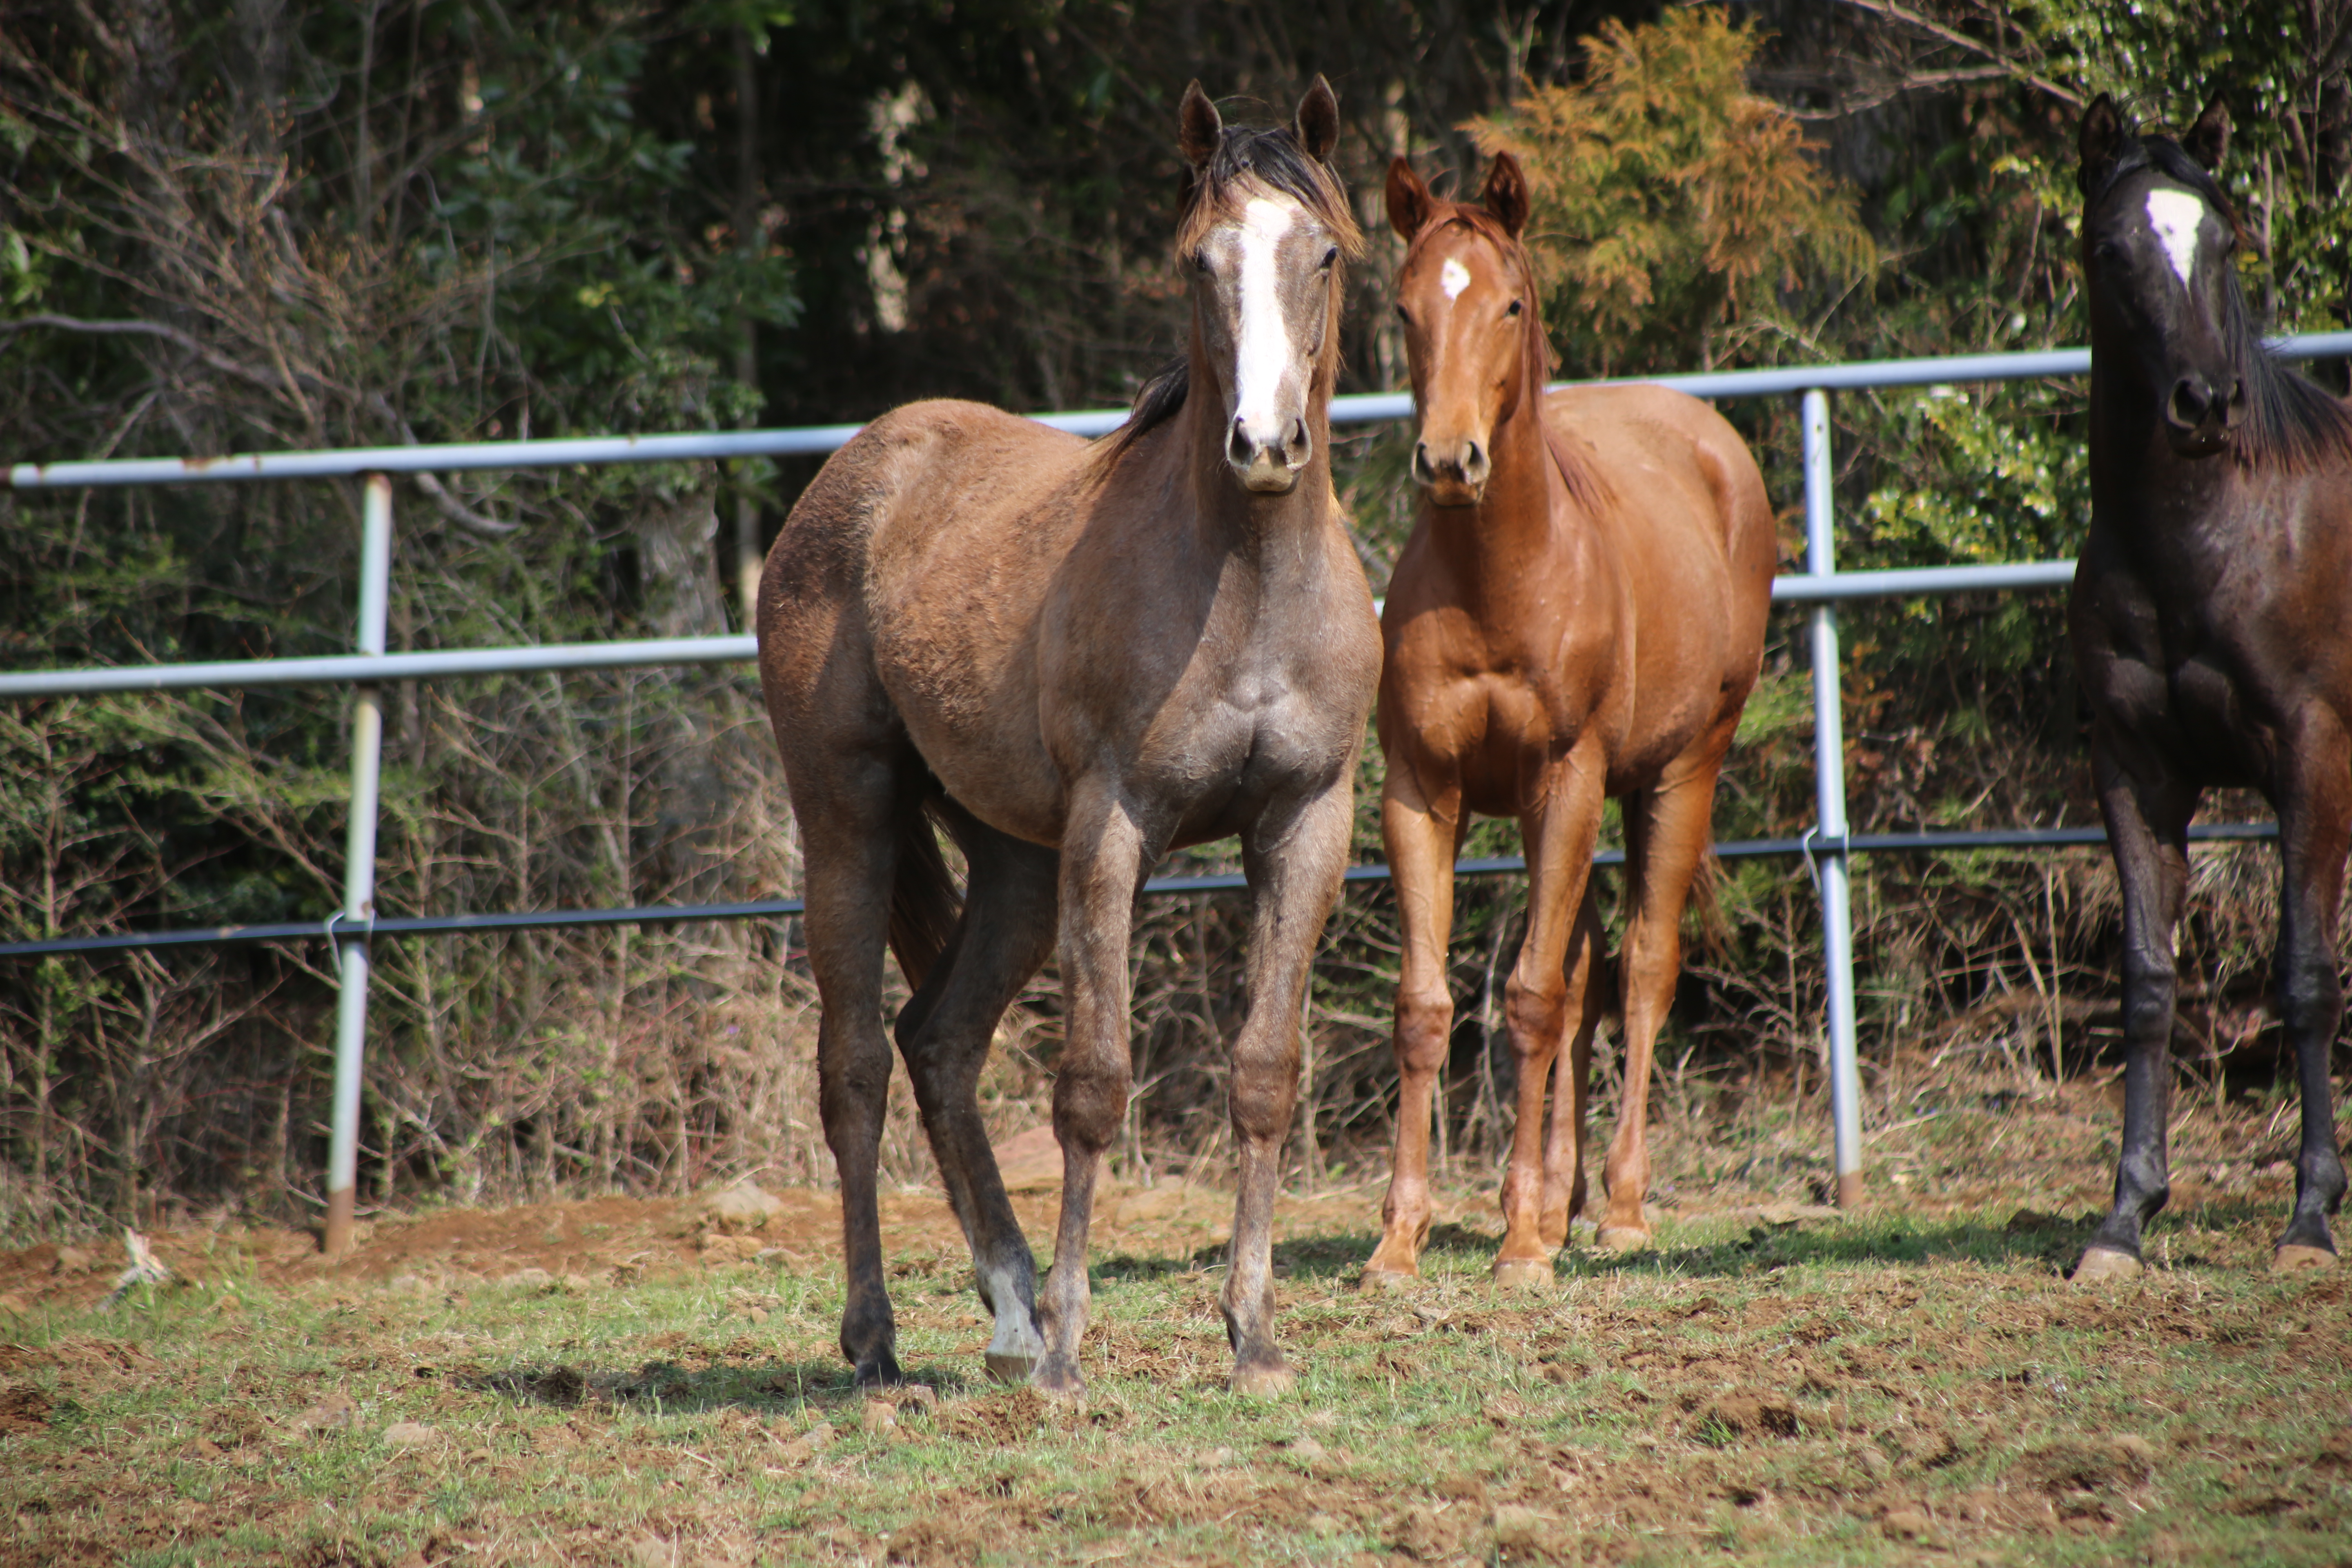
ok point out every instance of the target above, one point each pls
(1763, 1386)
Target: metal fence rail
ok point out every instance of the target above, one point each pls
(1822, 586)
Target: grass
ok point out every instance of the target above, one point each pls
(1887, 1388)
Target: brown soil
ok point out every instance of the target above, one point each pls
(620, 1238)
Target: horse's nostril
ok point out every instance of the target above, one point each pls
(1421, 468)
(1299, 438)
(1474, 465)
(2191, 399)
(1237, 444)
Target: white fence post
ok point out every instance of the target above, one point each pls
(358, 871)
(1828, 794)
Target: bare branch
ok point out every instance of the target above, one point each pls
(211, 356)
(1888, 91)
(450, 506)
(1952, 36)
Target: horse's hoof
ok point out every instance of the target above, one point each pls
(1620, 1238)
(2099, 1265)
(2295, 1259)
(1059, 1379)
(1258, 1381)
(1012, 1366)
(1523, 1274)
(1387, 1281)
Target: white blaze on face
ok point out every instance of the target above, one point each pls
(1453, 278)
(2176, 217)
(1264, 349)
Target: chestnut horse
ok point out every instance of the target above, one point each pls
(1076, 657)
(2213, 629)
(1578, 614)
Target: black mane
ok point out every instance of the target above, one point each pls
(2291, 421)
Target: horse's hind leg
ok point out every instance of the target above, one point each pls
(1005, 933)
(2313, 834)
(847, 802)
(1589, 991)
(1666, 832)
(2147, 831)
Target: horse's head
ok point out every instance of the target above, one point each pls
(1466, 297)
(2158, 238)
(1265, 226)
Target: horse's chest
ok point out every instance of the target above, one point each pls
(2189, 693)
(1254, 743)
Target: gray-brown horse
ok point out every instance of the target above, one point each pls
(2212, 630)
(1076, 657)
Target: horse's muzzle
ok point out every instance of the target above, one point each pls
(2199, 419)
(1455, 473)
(1268, 467)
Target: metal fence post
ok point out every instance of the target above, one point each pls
(1828, 794)
(359, 870)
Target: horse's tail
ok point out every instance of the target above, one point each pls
(924, 905)
(1706, 904)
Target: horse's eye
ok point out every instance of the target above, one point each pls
(1514, 309)
(1405, 315)
(1200, 260)
(2108, 250)
(1330, 256)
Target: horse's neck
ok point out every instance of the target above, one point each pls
(1262, 533)
(2140, 485)
(1498, 547)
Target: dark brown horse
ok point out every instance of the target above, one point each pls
(1076, 657)
(1578, 614)
(2213, 629)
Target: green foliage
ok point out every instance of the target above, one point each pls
(1669, 200)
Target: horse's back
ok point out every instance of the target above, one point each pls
(910, 576)
(1672, 457)
(1692, 529)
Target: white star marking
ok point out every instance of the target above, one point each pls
(2176, 217)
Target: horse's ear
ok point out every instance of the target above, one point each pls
(1318, 120)
(1409, 200)
(2101, 138)
(2208, 141)
(1197, 126)
(1506, 194)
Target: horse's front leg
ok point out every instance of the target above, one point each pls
(1420, 833)
(2147, 831)
(1590, 993)
(1293, 855)
(2314, 798)
(1559, 836)
(1103, 857)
